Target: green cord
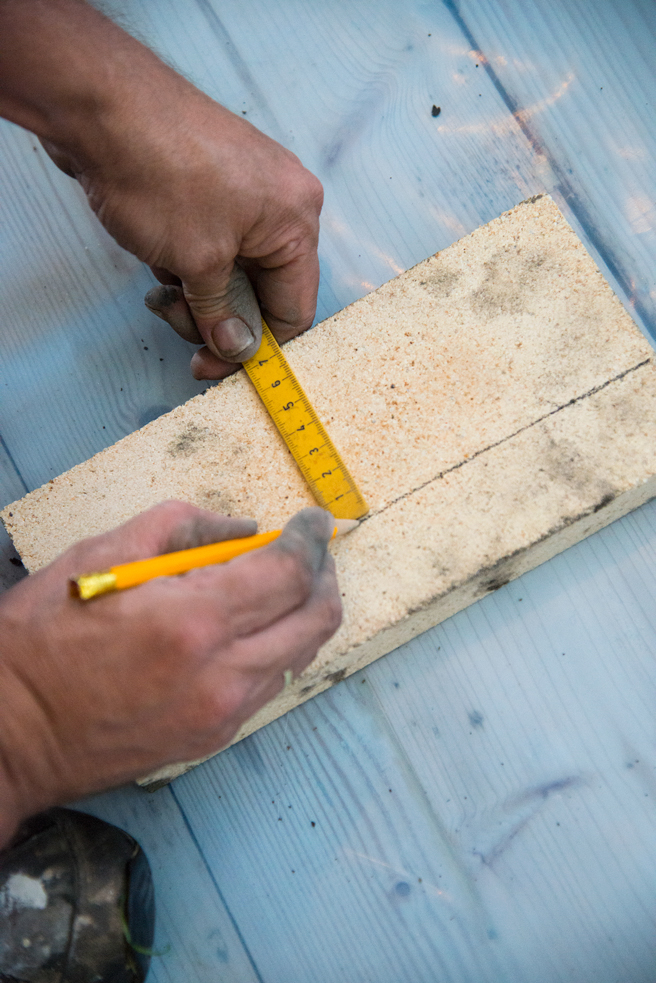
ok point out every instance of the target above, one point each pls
(142, 950)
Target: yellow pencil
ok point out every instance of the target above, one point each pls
(169, 564)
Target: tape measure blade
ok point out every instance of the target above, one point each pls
(302, 431)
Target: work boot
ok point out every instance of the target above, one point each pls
(76, 903)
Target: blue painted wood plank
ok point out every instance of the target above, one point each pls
(196, 939)
(581, 80)
(330, 857)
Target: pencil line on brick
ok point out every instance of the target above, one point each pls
(504, 440)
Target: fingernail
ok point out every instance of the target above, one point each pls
(168, 303)
(159, 299)
(232, 336)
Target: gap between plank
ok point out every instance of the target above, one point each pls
(218, 890)
(3, 445)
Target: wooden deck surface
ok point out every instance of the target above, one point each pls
(479, 805)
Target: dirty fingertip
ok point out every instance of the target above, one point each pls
(309, 532)
(160, 298)
(314, 522)
(168, 303)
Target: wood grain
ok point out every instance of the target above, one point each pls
(580, 79)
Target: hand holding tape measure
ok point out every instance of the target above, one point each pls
(289, 408)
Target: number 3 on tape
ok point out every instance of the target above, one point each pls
(304, 434)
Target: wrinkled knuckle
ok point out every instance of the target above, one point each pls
(203, 261)
(316, 194)
(222, 706)
(302, 195)
(187, 640)
(173, 511)
(310, 190)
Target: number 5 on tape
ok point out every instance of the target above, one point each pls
(300, 428)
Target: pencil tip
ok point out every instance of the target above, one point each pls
(345, 525)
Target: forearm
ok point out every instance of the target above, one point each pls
(10, 812)
(69, 74)
(21, 727)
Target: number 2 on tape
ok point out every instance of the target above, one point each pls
(304, 434)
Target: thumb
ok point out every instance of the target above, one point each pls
(226, 313)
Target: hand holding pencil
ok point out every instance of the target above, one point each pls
(96, 694)
(127, 575)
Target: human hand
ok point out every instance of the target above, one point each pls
(95, 694)
(194, 192)
(189, 187)
(176, 178)
(269, 226)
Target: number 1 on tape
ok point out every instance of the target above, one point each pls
(303, 433)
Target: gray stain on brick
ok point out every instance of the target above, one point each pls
(216, 500)
(189, 441)
(442, 281)
(503, 293)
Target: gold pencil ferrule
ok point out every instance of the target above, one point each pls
(93, 584)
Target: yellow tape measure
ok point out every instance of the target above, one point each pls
(300, 428)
